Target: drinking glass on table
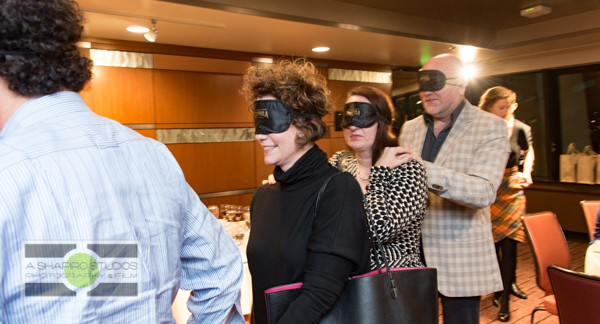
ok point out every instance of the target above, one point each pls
(214, 209)
(231, 213)
(239, 213)
(224, 209)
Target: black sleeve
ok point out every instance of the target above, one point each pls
(338, 248)
(525, 139)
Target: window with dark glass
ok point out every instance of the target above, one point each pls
(562, 106)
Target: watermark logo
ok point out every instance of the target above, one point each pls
(81, 269)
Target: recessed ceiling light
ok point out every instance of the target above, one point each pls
(137, 29)
(267, 60)
(321, 49)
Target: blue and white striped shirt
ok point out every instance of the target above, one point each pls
(98, 225)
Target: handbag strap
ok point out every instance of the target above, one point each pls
(378, 249)
(373, 236)
(323, 186)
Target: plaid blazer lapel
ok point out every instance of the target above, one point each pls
(459, 129)
(419, 136)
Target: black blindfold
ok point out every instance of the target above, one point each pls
(274, 116)
(360, 114)
(433, 80)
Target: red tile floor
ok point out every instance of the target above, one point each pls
(520, 309)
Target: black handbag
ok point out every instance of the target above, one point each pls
(398, 295)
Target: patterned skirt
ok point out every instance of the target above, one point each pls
(508, 208)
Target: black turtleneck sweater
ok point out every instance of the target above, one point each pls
(288, 243)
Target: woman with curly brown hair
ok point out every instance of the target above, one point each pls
(293, 239)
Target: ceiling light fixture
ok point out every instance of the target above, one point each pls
(467, 53)
(266, 60)
(536, 11)
(321, 49)
(469, 71)
(151, 35)
(84, 44)
(137, 29)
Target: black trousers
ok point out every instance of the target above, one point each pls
(461, 310)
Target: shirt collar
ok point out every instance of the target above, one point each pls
(43, 108)
(453, 116)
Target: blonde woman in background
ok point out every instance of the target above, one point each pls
(510, 201)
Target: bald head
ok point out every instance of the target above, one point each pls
(450, 64)
(440, 102)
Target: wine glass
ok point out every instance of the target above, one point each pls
(224, 209)
(214, 209)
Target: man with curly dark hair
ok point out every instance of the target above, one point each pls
(97, 223)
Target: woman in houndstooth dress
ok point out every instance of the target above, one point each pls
(392, 178)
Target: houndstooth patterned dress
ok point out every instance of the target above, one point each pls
(397, 200)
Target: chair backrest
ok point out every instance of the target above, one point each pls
(590, 211)
(548, 244)
(577, 295)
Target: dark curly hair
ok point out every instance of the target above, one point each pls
(299, 85)
(381, 101)
(38, 38)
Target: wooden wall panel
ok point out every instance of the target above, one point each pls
(214, 167)
(338, 144)
(200, 92)
(122, 94)
(340, 89)
(325, 145)
(194, 97)
(339, 94)
(147, 132)
(563, 200)
(200, 64)
(332, 145)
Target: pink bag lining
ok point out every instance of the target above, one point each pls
(275, 289)
(298, 285)
(374, 272)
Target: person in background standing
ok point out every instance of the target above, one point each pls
(91, 202)
(592, 255)
(465, 151)
(392, 178)
(510, 203)
(292, 239)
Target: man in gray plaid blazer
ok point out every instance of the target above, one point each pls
(465, 151)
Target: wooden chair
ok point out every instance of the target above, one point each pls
(577, 295)
(590, 211)
(549, 247)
